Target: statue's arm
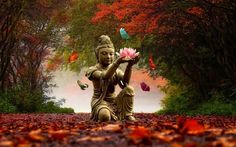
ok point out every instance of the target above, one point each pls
(124, 77)
(97, 74)
(127, 74)
(111, 69)
(128, 71)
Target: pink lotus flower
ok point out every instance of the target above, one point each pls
(128, 53)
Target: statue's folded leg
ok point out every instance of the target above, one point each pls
(102, 112)
(125, 100)
(104, 115)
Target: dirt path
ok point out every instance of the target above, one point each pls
(149, 130)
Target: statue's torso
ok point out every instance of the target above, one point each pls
(98, 86)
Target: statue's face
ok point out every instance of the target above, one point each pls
(106, 56)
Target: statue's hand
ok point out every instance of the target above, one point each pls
(123, 60)
(134, 61)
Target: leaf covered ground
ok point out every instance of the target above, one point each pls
(149, 130)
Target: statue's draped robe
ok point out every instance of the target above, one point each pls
(104, 96)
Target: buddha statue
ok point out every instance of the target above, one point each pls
(105, 76)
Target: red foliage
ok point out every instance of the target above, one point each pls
(150, 129)
(106, 10)
(139, 16)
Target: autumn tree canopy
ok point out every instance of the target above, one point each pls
(192, 41)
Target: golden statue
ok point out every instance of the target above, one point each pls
(105, 75)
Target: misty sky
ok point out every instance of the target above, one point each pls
(79, 99)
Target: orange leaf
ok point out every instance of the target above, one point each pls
(7, 143)
(224, 141)
(90, 138)
(165, 137)
(60, 134)
(139, 133)
(73, 57)
(112, 128)
(35, 135)
(215, 131)
(230, 131)
(193, 127)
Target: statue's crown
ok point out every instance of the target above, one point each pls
(104, 41)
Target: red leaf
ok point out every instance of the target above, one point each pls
(192, 126)
(139, 134)
(112, 128)
(60, 134)
(73, 57)
(144, 86)
(35, 135)
(152, 65)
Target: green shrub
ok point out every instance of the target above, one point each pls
(184, 101)
(177, 100)
(24, 99)
(217, 105)
(53, 107)
(5, 106)
(21, 99)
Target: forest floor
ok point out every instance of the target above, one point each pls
(149, 130)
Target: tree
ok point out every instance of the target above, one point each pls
(192, 41)
(10, 13)
(37, 30)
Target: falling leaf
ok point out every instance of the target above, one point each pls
(82, 85)
(144, 86)
(73, 57)
(152, 65)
